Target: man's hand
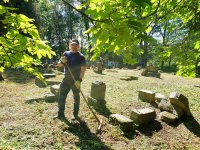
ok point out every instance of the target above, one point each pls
(77, 84)
(63, 60)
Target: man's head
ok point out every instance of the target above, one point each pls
(74, 45)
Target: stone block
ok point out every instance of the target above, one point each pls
(165, 105)
(128, 78)
(153, 74)
(159, 97)
(147, 96)
(49, 75)
(98, 90)
(144, 72)
(52, 82)
(125, 123)
(167, 117)
(181, 101)
(178, 111)
(142, 116)
(40, 83)
(55, 89)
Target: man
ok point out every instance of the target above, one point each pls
(77, 64)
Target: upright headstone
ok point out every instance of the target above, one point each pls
(98, 90)
(98, 68)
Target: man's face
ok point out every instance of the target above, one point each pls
(74, 47)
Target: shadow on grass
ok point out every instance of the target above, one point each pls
(101, 108)
(17, 76)
(191, 124)
(150, 128)
(50, 99)
(87, 139)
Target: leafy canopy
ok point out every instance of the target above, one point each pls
(20, 43)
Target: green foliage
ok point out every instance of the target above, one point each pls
(120, 26)
(20, 45)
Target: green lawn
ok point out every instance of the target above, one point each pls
(27, 111)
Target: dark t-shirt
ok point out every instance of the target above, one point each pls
(74, 61)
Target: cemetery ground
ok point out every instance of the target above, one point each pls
(27, 111)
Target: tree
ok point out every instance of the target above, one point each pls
(128, 21)
(20, 43)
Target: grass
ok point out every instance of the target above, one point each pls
(27, 111)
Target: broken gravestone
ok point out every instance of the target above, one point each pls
(55, 89)
(40, 83)
(128, 78)
(49, 75)
(159, 97)
(167, 117)
(165, 105)
(142, 116)
(147, 96)
(124, 122)
(180, 101)
(151, 71)
(98, 90)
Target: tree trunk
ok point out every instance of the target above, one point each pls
(1, 77)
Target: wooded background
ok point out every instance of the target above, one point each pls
(128, 32)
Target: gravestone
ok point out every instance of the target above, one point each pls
(128, 78)
(180, 101)
(49, 75)
(159, 97)
(141, 116)
(165, 105)
(55, 89)
(125, 123)
(98, 68)
(98, 90)
(167, 117)
(151, 71)
(147, 96)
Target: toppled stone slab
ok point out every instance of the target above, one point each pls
(167, 117)
(181, 101)
(40, 83)
(197, 85)
(178, 111)
(159, 97)
(49, 75)
(98, 90)
(52, 82)
(125, 123)
(55, 89)
(129, 78)
(147, 96)
(165, 105)
(142, 116)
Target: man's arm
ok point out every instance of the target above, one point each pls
(82, 73)
(62, 61)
